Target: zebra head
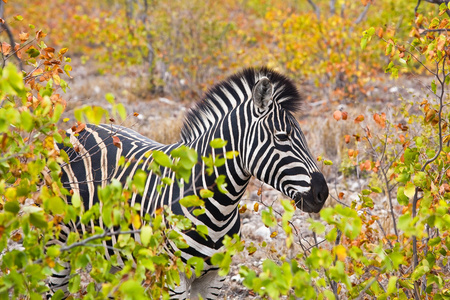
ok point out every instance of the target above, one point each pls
(279, 155)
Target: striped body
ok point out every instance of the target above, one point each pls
(250, 110)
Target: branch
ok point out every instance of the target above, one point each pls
(363, 14)
(417, 7)
(332, 7)
(10, 36)
(316, 9)
(107, 233)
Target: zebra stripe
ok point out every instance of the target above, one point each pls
(252, 110)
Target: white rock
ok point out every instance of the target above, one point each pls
(263, 232)
(237, 278)
(393, 89)
(167, 101)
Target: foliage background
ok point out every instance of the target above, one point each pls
(385, 232)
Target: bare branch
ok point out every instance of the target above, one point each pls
(316, 8)
(10, 35)
(363, 14)
(107, 233)
(417, 7)
(332, 7)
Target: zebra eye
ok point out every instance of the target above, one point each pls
(282, 136)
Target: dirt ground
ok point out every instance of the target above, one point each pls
(160, 118)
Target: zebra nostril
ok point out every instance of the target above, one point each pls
(319, 186)
(322, 195)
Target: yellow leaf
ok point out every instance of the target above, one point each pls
(57, 79)
(341, 252)
(48, 142)
(136, 221)
(256, 206)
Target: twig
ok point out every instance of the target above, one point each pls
(10, 36)
(363, 14)
(316, 9)
(417, 7)
(96, 237)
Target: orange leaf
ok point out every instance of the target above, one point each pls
(256, 207)
(116, 142)
(380, 32)
(6, 48)
(344, 115)
(243, 209)
(359, 119)
(40, 34)
(273, 234)
(79, 128)
(337, 115)
(341, 195)
(259, 191)
(347, 138)
(351, 152)
(23, 36)
(135, 114)
(49, 49)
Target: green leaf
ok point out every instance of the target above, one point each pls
(55, 205)
(122, 111)
(109, 97)
(76, 200)
(146, 233)
(217, 143)
(328, 162)
(197, 212)
(192, 200)
(38, 220)
(221, 184)
(198, 264)
(162, 159)
(231, 154)
(268, 218)
(202, 230)
(12, 207)
(433, 85)
(376, 189)
(410, 190)
(132, 289)
(401, 197)
(204, 193)
(74, 283)
(139, 180)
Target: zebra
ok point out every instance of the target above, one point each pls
(253, 111)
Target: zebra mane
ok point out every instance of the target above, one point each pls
(224, 96)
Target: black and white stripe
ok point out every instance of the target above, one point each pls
(252, 110)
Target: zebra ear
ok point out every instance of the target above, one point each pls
(262, 93)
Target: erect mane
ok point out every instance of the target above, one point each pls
(233, 91)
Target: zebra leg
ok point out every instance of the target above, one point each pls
(59, 281)
(208, 285)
